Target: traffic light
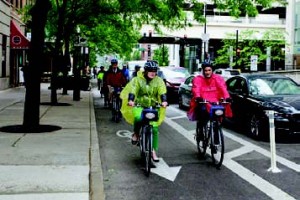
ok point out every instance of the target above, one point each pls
(238, 52)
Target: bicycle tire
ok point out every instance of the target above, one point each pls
(113, 99)
(142, 145)
(217, 147)
(201, 140)
(117, 110)
(148, 150)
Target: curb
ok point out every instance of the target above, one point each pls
(96, 176)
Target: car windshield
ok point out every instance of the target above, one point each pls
(273, 86)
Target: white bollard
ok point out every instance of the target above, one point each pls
(273, 167)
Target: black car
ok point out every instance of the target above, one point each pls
(185, 92)
(254, 94)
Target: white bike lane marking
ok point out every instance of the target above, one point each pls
(162, 168)
(252, 178)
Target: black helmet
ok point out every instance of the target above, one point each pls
(113, 61)
(151, 66)
(137, 67)
(204, 65)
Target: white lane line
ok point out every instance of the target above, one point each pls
(261, 184)
(283, 161)
(290, 164)
(178, 117)
(239, 152)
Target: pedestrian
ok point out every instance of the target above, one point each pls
(136, 69)
(95, 72)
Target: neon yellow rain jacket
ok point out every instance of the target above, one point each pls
(145, 94)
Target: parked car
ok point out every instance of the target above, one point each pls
(227, 73)
(174, 76)
(254, 94)
(185, 92)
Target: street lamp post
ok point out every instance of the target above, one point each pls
(205, 36)
(237, 48)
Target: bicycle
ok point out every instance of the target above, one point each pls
(149, 115)
(116, 104)
(210, 134)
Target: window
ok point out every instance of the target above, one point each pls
(3, 56)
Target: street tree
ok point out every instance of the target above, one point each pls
(36, 60)
(161, 54)
(117, 22)
(250, 42)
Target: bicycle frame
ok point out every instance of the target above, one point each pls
(116, 104)
(148, 116)
(212, 132)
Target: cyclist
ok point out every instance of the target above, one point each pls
(125, 71)
(114, 78)
(136, 69)
(145, 89)
(100, 75)
(211, 87)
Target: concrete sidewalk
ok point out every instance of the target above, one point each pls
(59, 165)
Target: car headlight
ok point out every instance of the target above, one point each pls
(281, 115)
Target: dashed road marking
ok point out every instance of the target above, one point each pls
(252, 178)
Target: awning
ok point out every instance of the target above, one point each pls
(17, 38)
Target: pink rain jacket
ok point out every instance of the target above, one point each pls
(211, 89)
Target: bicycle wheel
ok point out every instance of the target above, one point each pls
(113, 108)
(148, 150)
(117, 110)
(217, 145)
(201, 139)
(141, 143)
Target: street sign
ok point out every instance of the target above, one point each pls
(205, 37)
(253, 61)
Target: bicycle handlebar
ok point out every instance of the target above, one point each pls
(221, 101)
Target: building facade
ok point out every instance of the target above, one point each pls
(12, 48)
(293, 39)
(210, 35)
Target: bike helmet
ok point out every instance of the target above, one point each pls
(204, 65)
(137, 67)
(151, 66)
(113, 61)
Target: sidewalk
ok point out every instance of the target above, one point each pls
(60, 165)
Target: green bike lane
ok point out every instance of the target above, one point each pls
(180, 174)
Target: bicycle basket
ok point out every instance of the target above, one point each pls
(217, 111)
(149, 114)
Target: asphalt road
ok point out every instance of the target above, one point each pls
(180, 175)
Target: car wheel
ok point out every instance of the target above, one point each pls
(256, 128)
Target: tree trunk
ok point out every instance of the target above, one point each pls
(31, 118)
